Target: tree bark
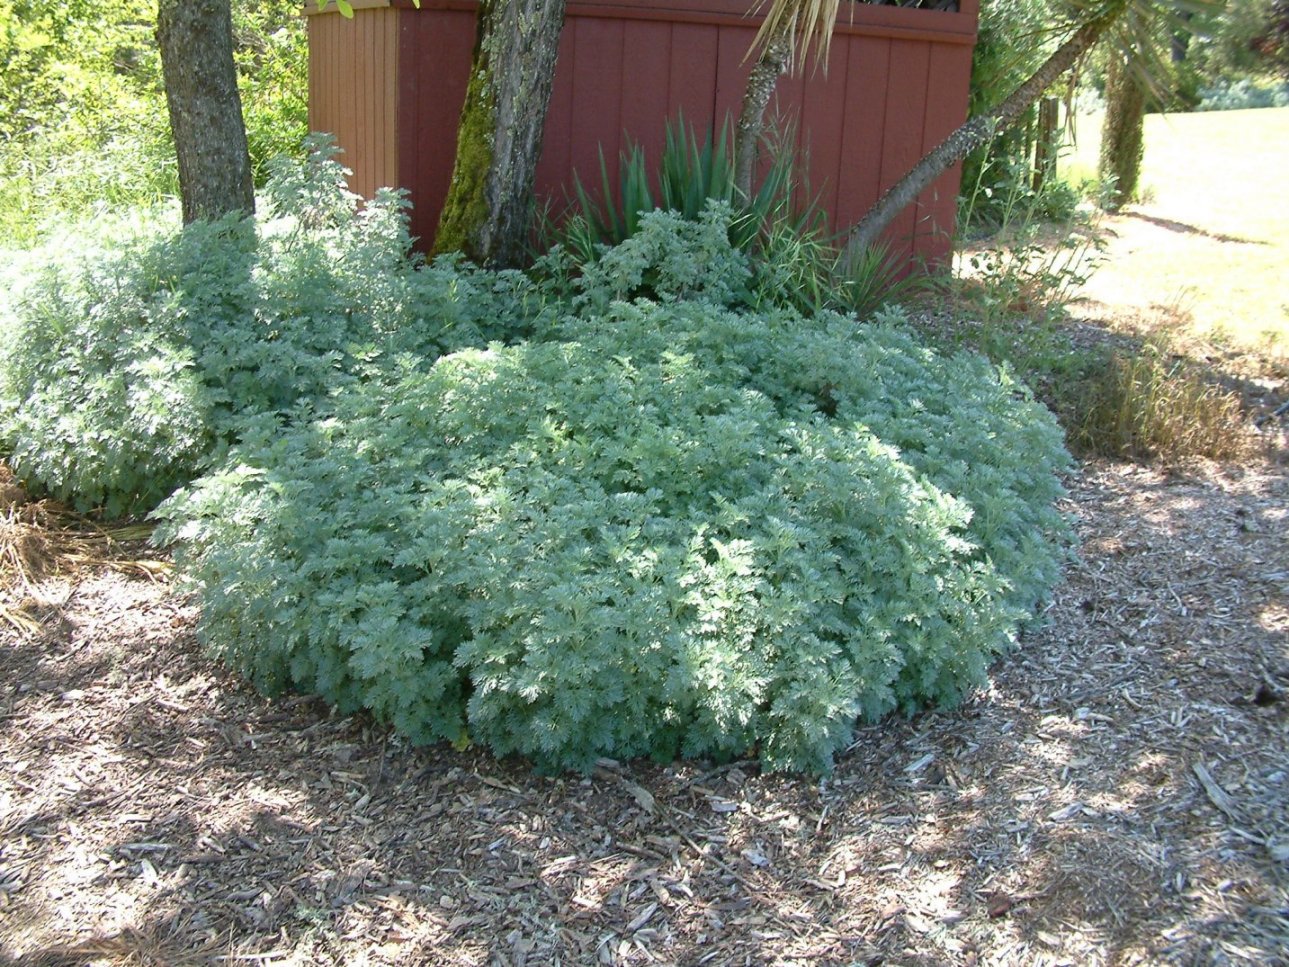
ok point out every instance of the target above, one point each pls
(774, 59)
(489, 204)
(196, 42)
(1122, 134)
(975, 132)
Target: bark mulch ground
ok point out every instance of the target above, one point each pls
(1120, 794)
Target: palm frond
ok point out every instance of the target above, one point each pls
(802, 22)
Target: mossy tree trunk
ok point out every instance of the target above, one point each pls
(489, 205)
(1122, 133)
(196, 42)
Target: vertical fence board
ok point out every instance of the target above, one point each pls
(556, 159)
(902, 139)
(693, 73)
(864, 134)
(646, 88)
(732, 67)
(823, 120)
(435, 50)
(597, 98)
(352, 90)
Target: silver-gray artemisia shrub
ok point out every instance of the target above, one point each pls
(625, 514)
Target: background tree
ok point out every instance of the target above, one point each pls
(487, 211)
(196, 42)
(1122, 132)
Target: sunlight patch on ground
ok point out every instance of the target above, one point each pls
(1209, 243)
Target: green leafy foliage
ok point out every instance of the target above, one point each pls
(83, 119)
(561, 521)
(671, 257)
(134, 351)
(1244, 94)
(660, 529)
(692, 172)
(774, 254)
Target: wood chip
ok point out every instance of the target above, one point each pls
(1216, 794)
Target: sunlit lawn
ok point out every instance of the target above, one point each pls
(1211, 235)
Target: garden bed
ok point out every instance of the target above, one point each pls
(1119, 793)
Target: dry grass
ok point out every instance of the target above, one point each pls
(1154, 404)
(1177, 346)
(40, 540)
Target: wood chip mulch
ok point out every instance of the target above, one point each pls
(1120, 794)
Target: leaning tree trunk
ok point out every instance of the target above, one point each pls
(774, 60)
(1122, 134)
(489, 204)
(196, 41)
(975, 132)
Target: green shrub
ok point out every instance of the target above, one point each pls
(100, 401)
(1243, 94)
(83, 119)
(663, 529)
(776, 254)
(671, 257)
(133, 351)
(692, 173)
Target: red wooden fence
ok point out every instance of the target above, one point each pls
(390, 83)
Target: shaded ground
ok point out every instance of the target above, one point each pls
(1119, 795)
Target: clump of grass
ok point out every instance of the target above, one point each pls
(1147, 389)
(1150, 405)
(1152, 393)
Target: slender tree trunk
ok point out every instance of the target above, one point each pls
(196, 41)
(1046, 144)
(1122, 134)
(975, 132)
(774, 59)
(1180, 42)
(489, 204)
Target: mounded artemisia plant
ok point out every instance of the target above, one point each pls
(663, 527)
(135, 351)
(640, 518)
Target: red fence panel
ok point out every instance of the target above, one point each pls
(896, 84)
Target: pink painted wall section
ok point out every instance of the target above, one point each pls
(896, 84)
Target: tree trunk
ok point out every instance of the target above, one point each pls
(1121, 134)
(773, 61)
(1180, 42)
(196, 41)
(975, 132)
(1046, 145)
(489, 204)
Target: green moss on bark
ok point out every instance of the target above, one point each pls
(466, 207)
